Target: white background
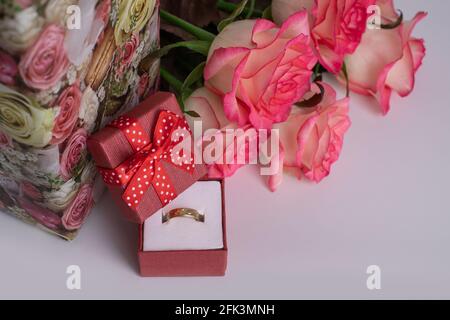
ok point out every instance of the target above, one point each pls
(387, 203)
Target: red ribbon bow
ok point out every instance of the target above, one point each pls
(145, 168)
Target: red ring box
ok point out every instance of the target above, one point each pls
(184, 263)
(109, 148)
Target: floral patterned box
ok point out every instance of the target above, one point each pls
(61, 79)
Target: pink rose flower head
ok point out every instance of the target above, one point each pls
(8, 69)
(260, 70)
(387, 59)
(73, 153)
(78, 210)
(312, 142)
(208, 106)
(44, 64)
(69, 103)
(336, 26)
(243, 146)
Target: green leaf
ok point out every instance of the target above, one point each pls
(251, 9)
(226, 6)
(192, 114)
(319, 70)
(191, 79)
(181, 103)
(199, 46)
(171, 80)
(236, 13)
(267, 13)
(394, 24)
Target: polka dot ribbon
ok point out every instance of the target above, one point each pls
(144, 168)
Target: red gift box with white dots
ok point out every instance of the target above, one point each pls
(124, 139)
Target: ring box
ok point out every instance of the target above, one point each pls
(110, 149)
(196, 262)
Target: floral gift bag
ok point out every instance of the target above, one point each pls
(66, 68)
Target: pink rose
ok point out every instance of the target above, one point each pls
(43, 216)
(209, 108)
(69, 103)
(311, 142)
(387, 60)
(8, 69)
(336, 28)
(261, 70)
(73, 153)
(44, 64)
(30, 191)
(78, 210)
(243, 148)
(126, 54)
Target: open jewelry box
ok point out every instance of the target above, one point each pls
(180, 246)
(201, 251)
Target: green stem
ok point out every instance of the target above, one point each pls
(198, 32)
(251, 10)
(176, 84)
(347, 81)
(317, 73)
(198, 46)
(230, 7)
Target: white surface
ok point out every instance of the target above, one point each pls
(386, 203)
(186, 233)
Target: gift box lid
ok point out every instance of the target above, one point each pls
(122, 146)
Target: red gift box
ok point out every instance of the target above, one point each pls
(111, 147)
(123, 151)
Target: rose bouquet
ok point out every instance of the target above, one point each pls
(265, 67)
(66, 68)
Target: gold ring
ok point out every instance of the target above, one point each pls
(183, 212)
